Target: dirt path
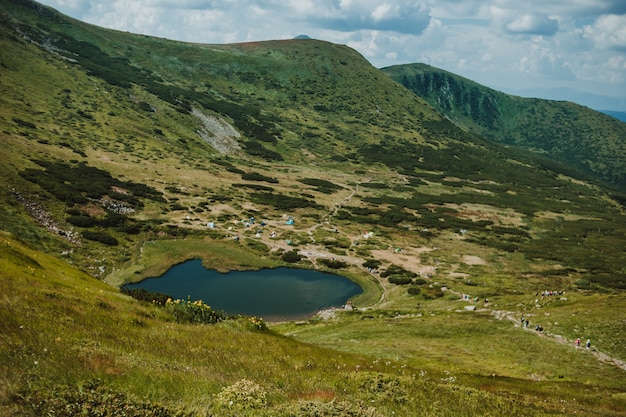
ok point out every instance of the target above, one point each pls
(332, 213)
(513, 317)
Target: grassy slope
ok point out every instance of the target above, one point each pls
(315, 92)
(65, 329)
(565, 131)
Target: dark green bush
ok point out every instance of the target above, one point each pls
(281, 201)
(101, 237)
(400, 280)
(24, 123)
(292, 256)
(177, 206)
(257, 187)
(82, 221)
(333, 263)
(142, 294)
(322, 186)
(398, 271)
(414, 290)
(372, 263)
(255, 176)
(257, 149)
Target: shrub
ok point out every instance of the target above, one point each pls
(333, 263)
(256, 149)
(92, 399)
(177, 207)
(101, 237)
(25, 123)
(142, 294)
(414, 290)
(420, 281)
(81, 221)
(395, 270)
(381, 387)
(583, 284)
(255, 176)
(242, 395)
(331, 408)
(282, 202)
(193, 312)
(400, 280)
(322, 186)
(292, 256)
(372, 263)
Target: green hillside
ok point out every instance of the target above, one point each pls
(576, 135)
(117, 151)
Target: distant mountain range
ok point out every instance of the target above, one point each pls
(595, 101)
(619, 115)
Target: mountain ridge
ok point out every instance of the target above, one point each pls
(564, 131)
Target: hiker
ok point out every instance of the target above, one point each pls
(578, 342)
(588, 344)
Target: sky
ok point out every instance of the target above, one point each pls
(556, 49)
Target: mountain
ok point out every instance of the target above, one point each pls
(124, 154)
(563, 131)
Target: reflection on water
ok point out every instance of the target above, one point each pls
(274, 294)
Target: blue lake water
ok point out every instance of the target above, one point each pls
(273, 294)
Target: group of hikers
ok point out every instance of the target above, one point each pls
(525, 323)
(539, 328)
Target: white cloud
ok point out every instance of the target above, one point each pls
(608, 31)
(533, 24)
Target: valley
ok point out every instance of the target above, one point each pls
(123, 155)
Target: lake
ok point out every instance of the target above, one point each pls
(273, 294)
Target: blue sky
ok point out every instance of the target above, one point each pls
(558, 49)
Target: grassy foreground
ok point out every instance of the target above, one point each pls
(74, 345)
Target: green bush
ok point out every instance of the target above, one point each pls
(400, 280)
(372, 263)
(193, 312)
(142, 294)
(292, 256)
(333, 263)
(101, 237)
(24, 123)
(281, 201)
(92, 399)
(414, 290)
(322, 186)
(255, 176)
(242, 395)
(82, 221)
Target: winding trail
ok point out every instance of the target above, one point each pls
(513, 317)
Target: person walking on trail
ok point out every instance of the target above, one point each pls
(578, 342)
(588, 344)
